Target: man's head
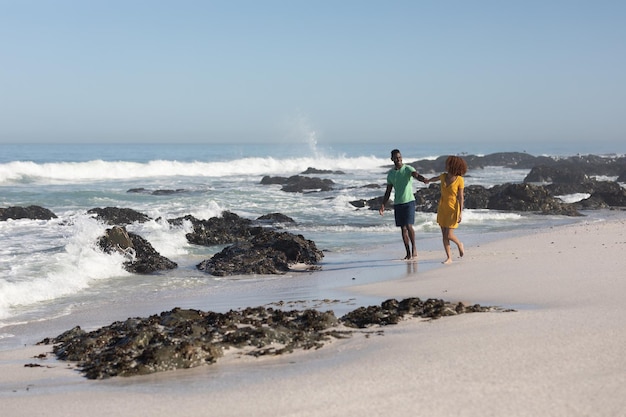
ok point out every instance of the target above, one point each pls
(396, 157)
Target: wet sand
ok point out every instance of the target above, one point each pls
(559, 354)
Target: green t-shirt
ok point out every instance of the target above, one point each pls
(402, 181)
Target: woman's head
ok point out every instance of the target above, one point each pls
(456, 165)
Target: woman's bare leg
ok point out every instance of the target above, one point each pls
(445, 234)
(457, 242)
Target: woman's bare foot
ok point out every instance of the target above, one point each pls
(461, 250)
(447, 261)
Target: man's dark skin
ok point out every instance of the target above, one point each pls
(408, 233)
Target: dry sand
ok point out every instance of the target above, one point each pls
(562, 353)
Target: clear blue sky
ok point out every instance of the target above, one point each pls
(368, 71)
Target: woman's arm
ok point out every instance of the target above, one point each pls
(461, 199)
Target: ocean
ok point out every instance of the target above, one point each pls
(51, 269)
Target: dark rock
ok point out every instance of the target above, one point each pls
(169, 192)
(392, 311)
(476, 197)
(556, 174)
(273, 218)
(373, 186)
(242, 259)
(610, 193)
(30, 212)
(571, 188)
(528, 197)
(267, 180)
(427, 199)
(359, 203)
(143, 259)
(373, 203)
(186, 338)
(591, 203)
(300, 184)
(156, 192)
(267, 252)
(514, 160)
(310, 171)
(118, 216)
(228, 228)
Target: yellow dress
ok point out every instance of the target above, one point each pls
(449, 207)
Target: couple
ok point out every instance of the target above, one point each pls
(449, 211)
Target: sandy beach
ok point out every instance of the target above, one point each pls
(560, 353)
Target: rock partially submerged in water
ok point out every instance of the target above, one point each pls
(118, 216)
(186, 338)
(528, 197)
(300, 184)
(30, 212)
(506, 197)
(228, 228)
(266, 252)
(143, 258)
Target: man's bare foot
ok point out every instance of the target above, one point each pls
(461, 250)
(407, 258)
(447, 261)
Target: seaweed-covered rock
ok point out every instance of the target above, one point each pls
(30, 212)
(186, 338)
(392, 311)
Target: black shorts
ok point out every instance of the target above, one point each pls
(404, 213)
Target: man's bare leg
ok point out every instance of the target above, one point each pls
(408, 237)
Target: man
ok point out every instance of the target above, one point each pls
(400, 178)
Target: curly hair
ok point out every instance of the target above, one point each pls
(456, 165)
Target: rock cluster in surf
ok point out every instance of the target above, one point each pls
(548, 178)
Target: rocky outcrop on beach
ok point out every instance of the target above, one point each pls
(143, 259)
(300, 184)
(266, 252)
(118, 216)
(29, 212)
(187, 338)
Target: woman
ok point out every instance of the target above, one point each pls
(450, 210)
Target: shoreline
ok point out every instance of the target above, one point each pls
(560, 353)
